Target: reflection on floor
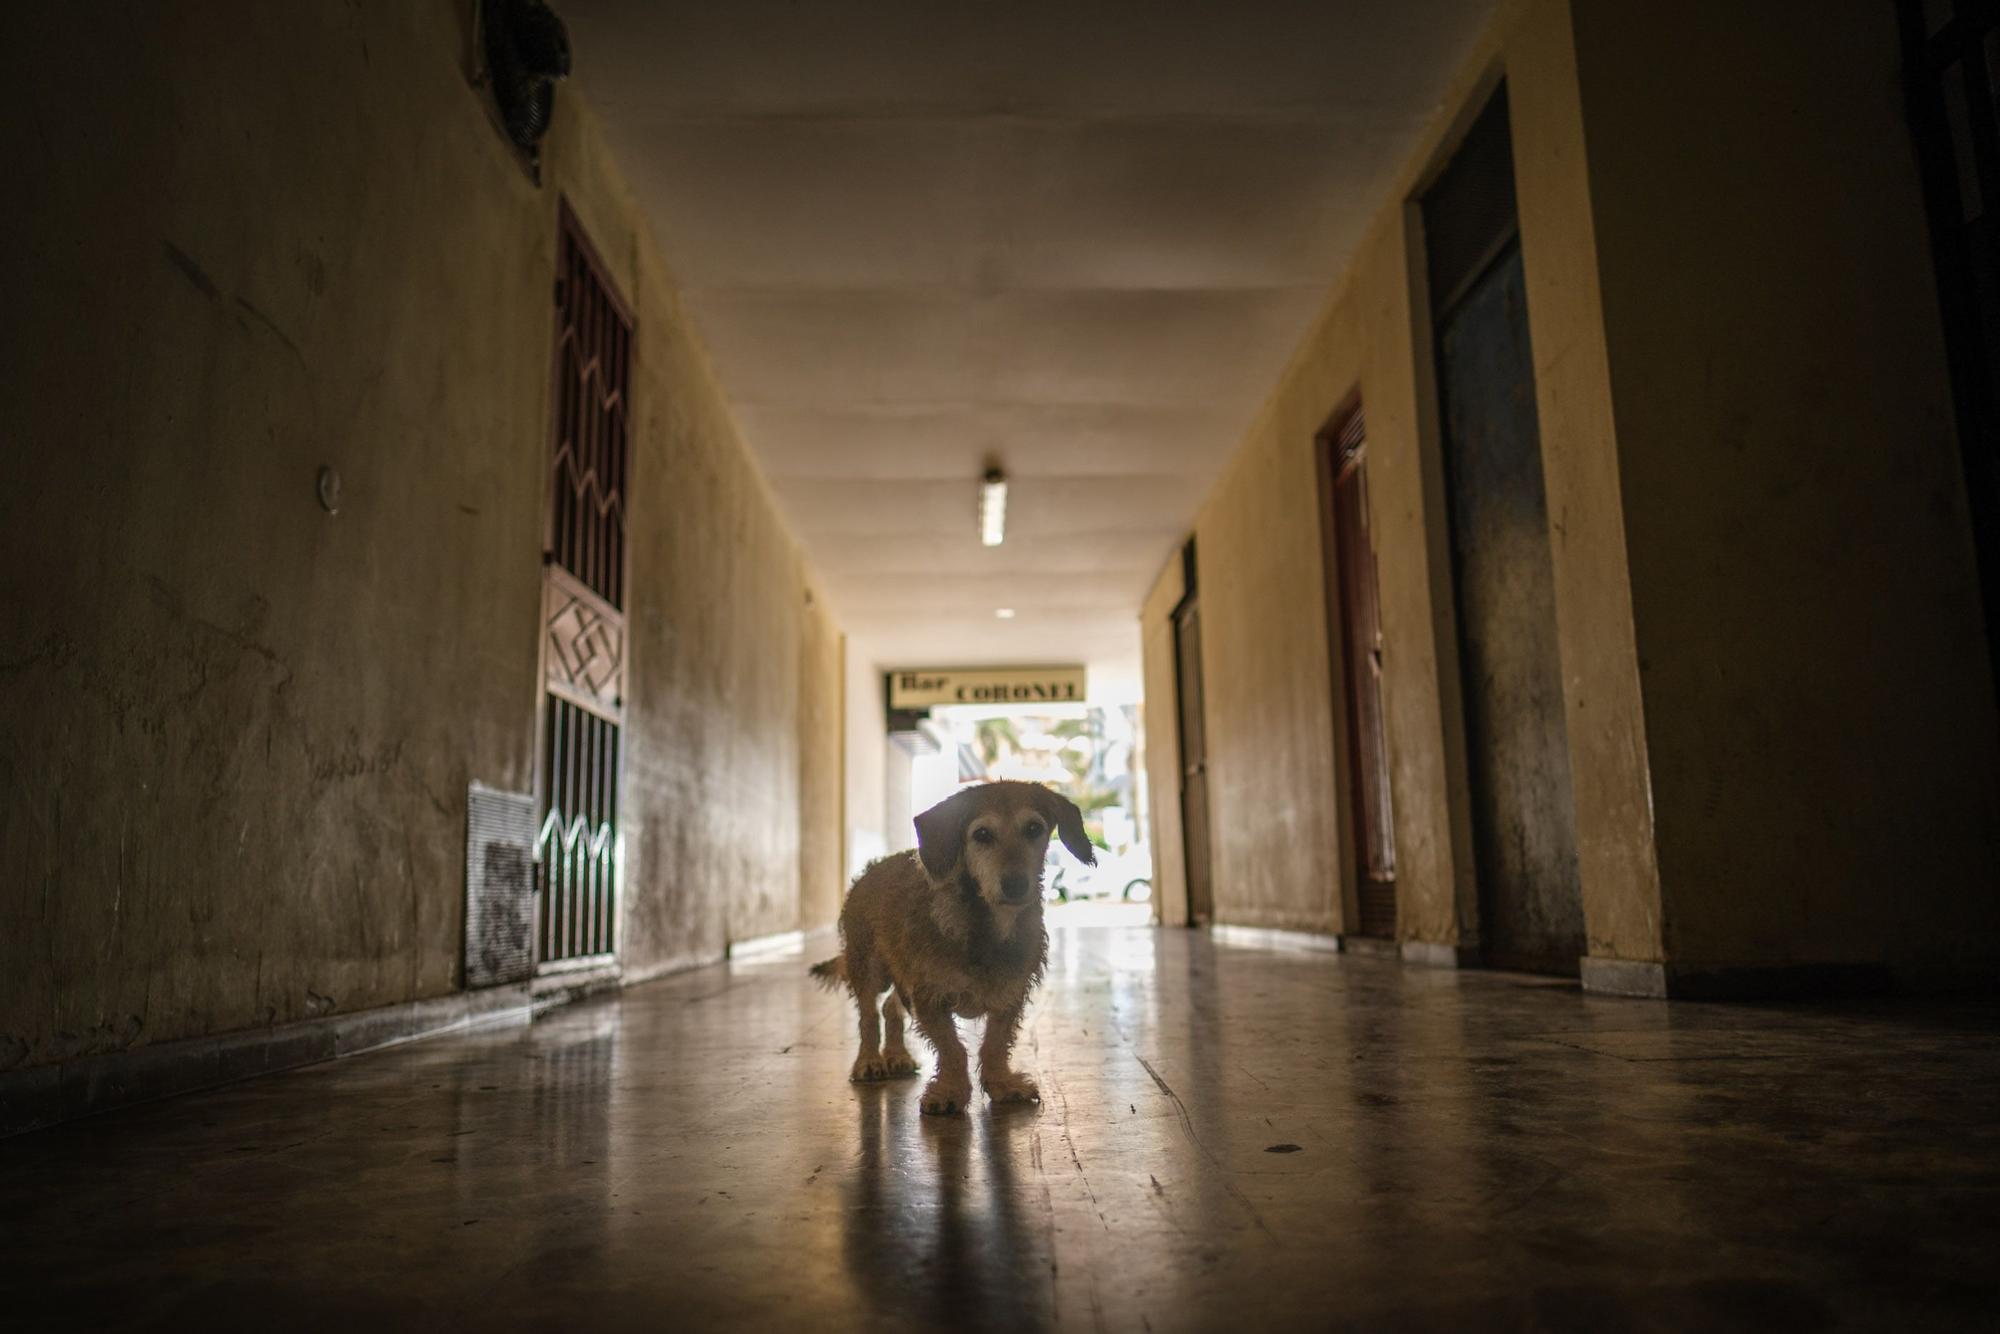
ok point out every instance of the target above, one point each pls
(1098, 912)
(1235, 1138)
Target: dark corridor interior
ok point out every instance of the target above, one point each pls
(752, 667)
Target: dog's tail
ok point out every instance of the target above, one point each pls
(831, 973)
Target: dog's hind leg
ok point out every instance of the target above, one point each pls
(996, 1073)
(867, 984)
(950, 1089)
(896, 1058)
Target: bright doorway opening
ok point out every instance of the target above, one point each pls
(1092, 754)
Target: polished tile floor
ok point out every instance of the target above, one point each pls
(1233, 1137)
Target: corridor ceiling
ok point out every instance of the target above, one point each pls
(1081, 239)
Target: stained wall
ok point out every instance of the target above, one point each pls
(1820, 719)
(1775, 678)
(822, 745)
(238, 730)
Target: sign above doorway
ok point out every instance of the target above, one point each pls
(923, 688)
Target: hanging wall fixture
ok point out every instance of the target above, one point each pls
(527, 54)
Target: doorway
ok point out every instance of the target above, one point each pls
(1954, 107)
(1516, 742)
(1354, 607)
(583, 613)
(1193, 744)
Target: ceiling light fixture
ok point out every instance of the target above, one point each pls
(1004, 613)
(993, 507)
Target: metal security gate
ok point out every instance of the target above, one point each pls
(583, 617)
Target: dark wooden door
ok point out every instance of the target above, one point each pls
(1952, 82)
(1352, 580)
(1517, 752)
(1194, 761)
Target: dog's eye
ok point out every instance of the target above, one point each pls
(982, 835)
(1032, 829)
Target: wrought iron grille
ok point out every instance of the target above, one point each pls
(583, 617)
(586, 531)
(579, 834)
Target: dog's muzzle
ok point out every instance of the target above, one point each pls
(1017, 888)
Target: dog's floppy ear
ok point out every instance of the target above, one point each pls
(1068, 820)
(941, 833)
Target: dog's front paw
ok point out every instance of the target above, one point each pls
(897, 1064)
(868, 1069)
(946, 1099)
(1010, 1087)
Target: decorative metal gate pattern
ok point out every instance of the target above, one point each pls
(583, 594)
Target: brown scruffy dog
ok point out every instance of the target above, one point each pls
(955, 928)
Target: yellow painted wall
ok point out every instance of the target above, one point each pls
(1163, 748)
(822, 709)
(1820, 719)
(1766, 610)
(1278, 819)
(712, 794)
(867, 729)
(1277, 825)
(238, 731)
(1604, 712)
(1273, 823)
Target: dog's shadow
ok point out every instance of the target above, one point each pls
(937, 1223)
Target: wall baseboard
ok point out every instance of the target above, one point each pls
(776, 944)
(45, 1095)
(1648, 980)
(1437, 954)
(1272, 937)
(677, 963)
(1636, 978)
(555, 989)
(1422, 953)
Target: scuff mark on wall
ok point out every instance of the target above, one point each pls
(193, 272)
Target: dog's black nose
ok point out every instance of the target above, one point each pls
(1016, 888)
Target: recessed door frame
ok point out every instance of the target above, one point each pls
(578, 624)
(1367, 876)
(1523, 884)
(1197, 836)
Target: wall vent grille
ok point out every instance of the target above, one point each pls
(499, 886)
